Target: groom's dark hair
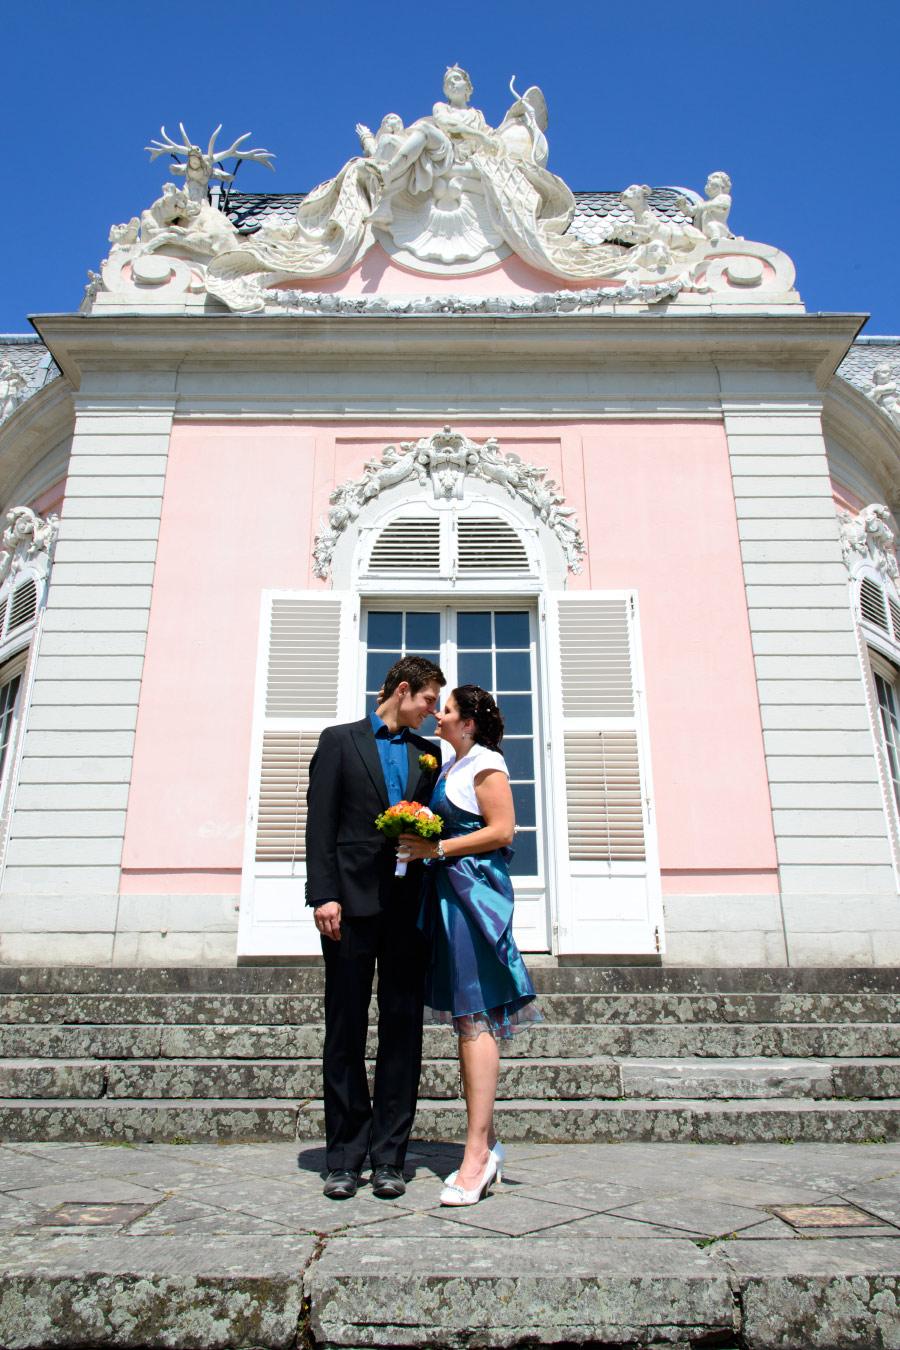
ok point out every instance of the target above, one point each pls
(417, 671)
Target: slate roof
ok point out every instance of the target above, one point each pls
(867, 353)
(248, 210)
(30, 356)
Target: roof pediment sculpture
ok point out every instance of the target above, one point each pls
(446, 460)
(447, 196)
(867, 537)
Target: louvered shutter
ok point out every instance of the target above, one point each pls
(307, 651)
(609, 891)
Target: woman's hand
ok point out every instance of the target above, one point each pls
(414, 847)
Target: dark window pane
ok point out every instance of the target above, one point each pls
(513, 670)
(516, 710)
(423, 632)
(523, 800)
(371, 702)
(473, 629)
(428, 728)
(519, 757)
(377, 666)
(475, 668)
(385, 630)
(524, 863)
(512, 628)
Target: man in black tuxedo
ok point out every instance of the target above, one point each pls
(367, 919)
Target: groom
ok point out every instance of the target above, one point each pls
(367, 920)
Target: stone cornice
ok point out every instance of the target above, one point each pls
(851, 418)
(44, 420)
(815, 343)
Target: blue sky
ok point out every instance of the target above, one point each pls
(799, 101)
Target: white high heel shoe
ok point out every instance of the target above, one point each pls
(498, 1153)
(455, 1195)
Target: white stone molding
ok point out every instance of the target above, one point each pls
(868, 540)
(447, 460)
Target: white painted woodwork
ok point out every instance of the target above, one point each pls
(607, 868)
(304, 682)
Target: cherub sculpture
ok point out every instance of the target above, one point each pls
(711, 217)
(12, 387)
(199, 168)
(884, 391)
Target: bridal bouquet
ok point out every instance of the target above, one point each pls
(408, 818)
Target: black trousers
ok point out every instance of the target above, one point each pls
(355, 1123)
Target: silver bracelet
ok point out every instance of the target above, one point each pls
(440, 856)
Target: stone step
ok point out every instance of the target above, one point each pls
(490, 1291)
(598, 1121)
(854, 1040)
(548, 978)
(544, 1079)
(630, 1009)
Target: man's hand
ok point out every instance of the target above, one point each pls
(328, 920)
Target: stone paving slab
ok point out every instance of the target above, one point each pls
(626, 1244)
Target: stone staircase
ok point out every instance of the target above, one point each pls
(633, 1053)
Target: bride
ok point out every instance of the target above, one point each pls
(476, 979)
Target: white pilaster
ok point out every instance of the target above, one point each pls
(68, 823)
(838, 889)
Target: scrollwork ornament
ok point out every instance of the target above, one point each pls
(447, 459)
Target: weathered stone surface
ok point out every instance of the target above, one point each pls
(834, 1294)
(626, 1009)
(150, 1121)
(779, 1122)
(500, 1292)
(44, 1041)
(309, 978)
(863, 1078)
(196, 1294)
(726, 1078)
(34, 1078)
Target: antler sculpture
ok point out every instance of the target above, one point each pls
(198, 168)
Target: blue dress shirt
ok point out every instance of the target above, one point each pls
(393, 756)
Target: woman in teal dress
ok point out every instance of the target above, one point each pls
(476, 978)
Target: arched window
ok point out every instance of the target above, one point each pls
(450, 550)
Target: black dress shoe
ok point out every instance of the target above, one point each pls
(388, 1183)
(340, 1184)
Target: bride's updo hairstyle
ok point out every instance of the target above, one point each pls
(476, 703)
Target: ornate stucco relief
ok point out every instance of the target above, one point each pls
(868, 538)
(28, 542)
(446, 461)
(446, 196)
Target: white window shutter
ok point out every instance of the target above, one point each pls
(606, 855)
(306, 669)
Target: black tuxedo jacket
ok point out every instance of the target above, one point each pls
(347, 859)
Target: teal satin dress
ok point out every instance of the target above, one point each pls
(476, 976)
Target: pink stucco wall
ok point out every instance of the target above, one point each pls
(376, 273)
(240, 509)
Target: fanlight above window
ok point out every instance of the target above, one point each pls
(449, 544)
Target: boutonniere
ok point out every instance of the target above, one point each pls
(428, 763)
